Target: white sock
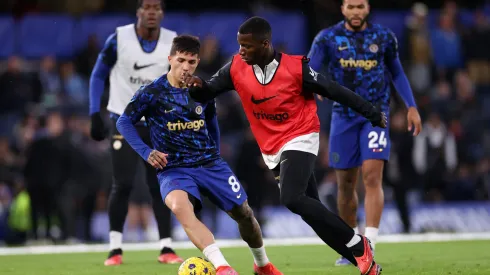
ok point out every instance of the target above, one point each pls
(372, 234)
(356, 230)
(260, 257)
(115, 240)
(355, 240)
(165, 242)
(214, 255)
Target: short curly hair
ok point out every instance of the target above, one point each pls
(140, 4)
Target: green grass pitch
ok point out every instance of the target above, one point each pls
(436, 258)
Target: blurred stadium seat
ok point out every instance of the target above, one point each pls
(391, 20)
(7, 36)
(289, 29)
(101, 26)
(223, 26)
(46, 35)
(63, 35)
(179, 22)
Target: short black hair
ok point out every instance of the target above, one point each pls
(140, 4)
(258, 27)
(185, 44)
(343, 1)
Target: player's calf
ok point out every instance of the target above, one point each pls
(178, 202)
(372, 173)
(250, 231)
(252, 234)
(347, 200)
(247, 224)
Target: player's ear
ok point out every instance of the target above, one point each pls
(266, 43)
(169, 58)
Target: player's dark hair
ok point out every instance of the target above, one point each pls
(140, 4)
(343, 1)
(258, 27)
(185, 44)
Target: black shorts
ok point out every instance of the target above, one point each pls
(129, 169)
(140, 194)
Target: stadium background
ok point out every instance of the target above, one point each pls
(48, 49)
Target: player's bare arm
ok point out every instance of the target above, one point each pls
(326, 87)
(157, 159)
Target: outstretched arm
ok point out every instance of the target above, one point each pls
(320, 84)
(204, 91)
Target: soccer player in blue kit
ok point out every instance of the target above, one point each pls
(185, 136)
(364, 58)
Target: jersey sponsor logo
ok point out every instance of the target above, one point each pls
(276, 117)
(195, 125)
(137, 68)
(352, 63)
(139, 81)
(262, 100)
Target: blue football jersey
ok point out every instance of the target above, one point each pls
(177, 123)
(357, 60)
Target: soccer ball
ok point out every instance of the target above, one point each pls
(196, 266)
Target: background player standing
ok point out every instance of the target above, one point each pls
(133, 56)
(185, 135)
(358, 55)
(276, 91)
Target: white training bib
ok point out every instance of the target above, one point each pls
(134, 67)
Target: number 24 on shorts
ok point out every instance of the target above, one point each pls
(375, 140)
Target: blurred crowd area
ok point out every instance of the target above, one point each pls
(51, 172)
(20, 7)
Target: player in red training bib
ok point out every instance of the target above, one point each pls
(277, 93)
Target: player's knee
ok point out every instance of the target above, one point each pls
(180, 209)
(122, 188)
(346, 190)
(347, 185)
(242, 213)
(292, 202)
(371, 180)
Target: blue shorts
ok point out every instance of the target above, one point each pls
(217, 182)
(354, 140)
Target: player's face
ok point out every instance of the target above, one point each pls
(182, 64)
(251, 51)
(355, 13)
(150, 14)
